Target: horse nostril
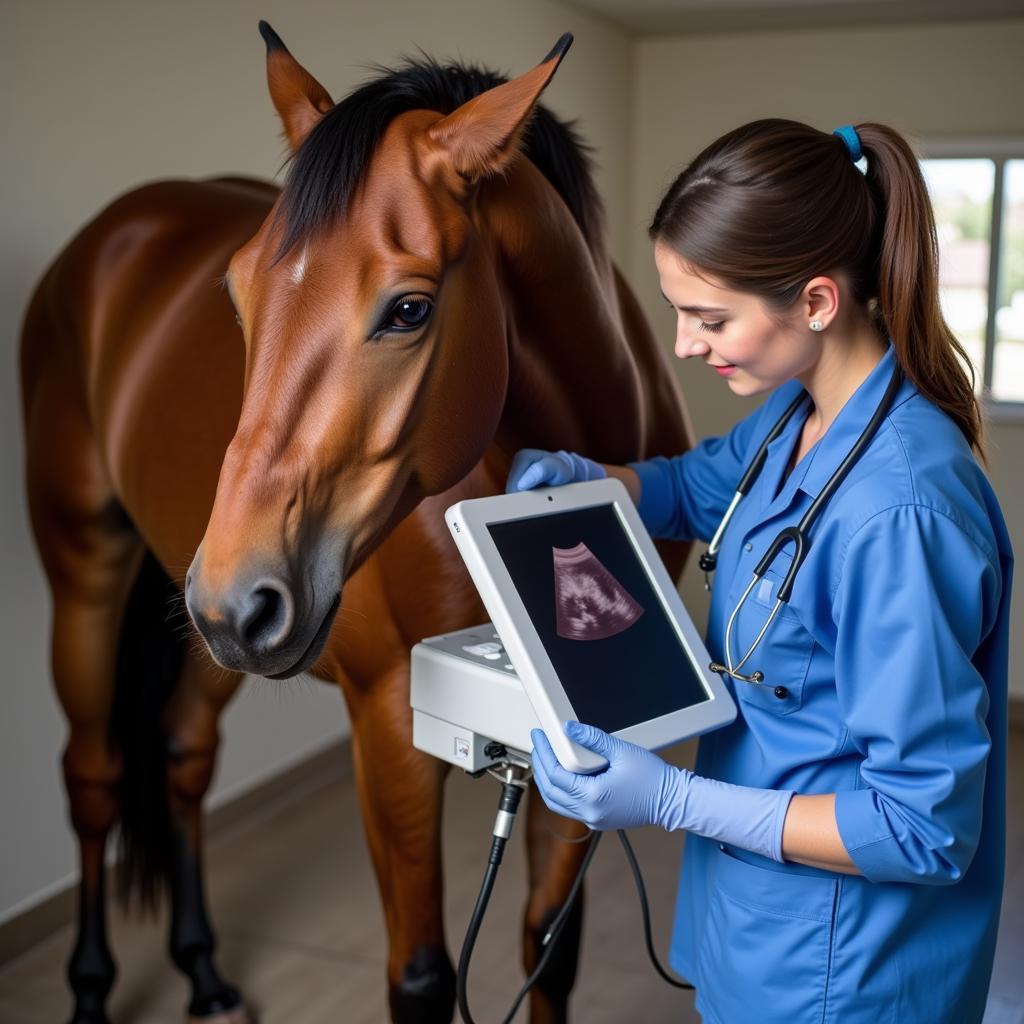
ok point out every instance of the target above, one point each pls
(267, 620)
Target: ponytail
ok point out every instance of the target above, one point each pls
(908, 282)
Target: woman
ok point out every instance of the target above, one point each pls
(845, 855)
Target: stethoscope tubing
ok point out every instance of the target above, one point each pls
(709, 559)
(798, 535)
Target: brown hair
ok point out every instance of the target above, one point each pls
(775, 202)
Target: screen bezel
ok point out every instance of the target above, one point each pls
(469, 521)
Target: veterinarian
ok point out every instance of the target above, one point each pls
(844, 860)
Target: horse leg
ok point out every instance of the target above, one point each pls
(553, 864)
(400, 791)
(190, 723)
(91, 555)
(91, 775)
(87, 612)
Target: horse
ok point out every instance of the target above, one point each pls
(264, 401)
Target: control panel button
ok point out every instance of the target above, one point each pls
(489, 649)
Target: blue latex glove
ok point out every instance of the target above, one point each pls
(534, 467)
(639, 788)
(633, 790)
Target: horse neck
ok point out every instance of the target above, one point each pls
(573, 380)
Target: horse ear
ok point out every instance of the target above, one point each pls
(482, 136)
(301, 101)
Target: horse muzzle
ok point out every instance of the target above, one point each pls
(261, 623)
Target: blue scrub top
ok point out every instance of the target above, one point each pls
(893, 655)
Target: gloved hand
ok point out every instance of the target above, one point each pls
(633, 790)
(533, 467)
(639, 788)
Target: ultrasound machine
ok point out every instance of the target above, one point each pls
(586, 624)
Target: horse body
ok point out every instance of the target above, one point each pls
(135, 305)
(152, 425)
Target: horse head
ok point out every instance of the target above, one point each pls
(375, 335)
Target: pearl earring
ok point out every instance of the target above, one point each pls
(816, 325)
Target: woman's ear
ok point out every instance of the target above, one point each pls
(820, 301)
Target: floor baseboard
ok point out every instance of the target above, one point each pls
(327, 766)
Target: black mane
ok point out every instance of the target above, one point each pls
(330, 163)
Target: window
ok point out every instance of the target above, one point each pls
(977, 191)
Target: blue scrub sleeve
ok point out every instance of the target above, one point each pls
(915, 599)
(685, 497)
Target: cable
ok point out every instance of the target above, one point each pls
(550, 940)
(511, 794)
(646, 911)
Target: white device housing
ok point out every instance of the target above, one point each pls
(468, 520)
(464, 699)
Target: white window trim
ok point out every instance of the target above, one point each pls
(998, 148)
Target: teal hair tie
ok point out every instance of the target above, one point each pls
(849, 135)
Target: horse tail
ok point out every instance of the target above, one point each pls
(149, 662)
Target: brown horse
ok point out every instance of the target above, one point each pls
(429, 293)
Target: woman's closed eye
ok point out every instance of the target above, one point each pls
(714, 326)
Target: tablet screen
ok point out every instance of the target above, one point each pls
(618, 656)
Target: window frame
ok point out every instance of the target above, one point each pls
(999, 149)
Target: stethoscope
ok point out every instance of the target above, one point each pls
(799, 534)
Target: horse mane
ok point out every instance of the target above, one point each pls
(330, 163)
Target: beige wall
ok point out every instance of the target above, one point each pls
(957, 81)
(98, 97)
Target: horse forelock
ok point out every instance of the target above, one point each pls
(330, 164)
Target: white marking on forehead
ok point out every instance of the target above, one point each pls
(299, 266)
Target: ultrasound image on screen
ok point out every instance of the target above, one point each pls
(590, 603)
(616, 654)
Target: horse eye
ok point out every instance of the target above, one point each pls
(409, 313)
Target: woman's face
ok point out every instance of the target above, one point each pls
(732, 331)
